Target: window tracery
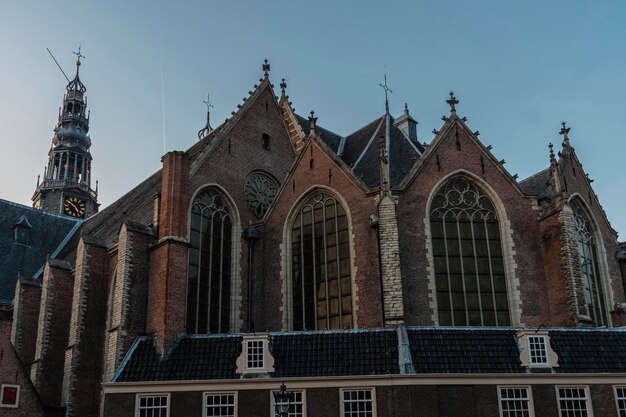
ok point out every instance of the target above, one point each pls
(589, 268)
(469, 269)
(260, 191)
(321, 274)
(210, 258)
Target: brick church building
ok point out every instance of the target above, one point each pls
(373, 274)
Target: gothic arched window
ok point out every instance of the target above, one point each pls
(321, 276)
(210, 259)
(467, 252)
(589, 270)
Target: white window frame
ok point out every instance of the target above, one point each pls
(537, 360)
(17, 396)
(618, 398)
(155, 394)
(588, 405)
(266, 359)
(260, 345)
(273, 408)
(216, 393)
(529, 398)
(341, 398)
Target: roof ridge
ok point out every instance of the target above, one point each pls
(369, 143)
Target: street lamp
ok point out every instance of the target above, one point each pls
(282, 401)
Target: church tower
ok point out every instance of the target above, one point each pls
(66, 186)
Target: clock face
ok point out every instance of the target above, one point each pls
(74, 206)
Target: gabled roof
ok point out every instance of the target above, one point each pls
(432, 350)
(47, 231)
(137, 206)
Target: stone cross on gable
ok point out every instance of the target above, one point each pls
(452, 102)
(283, 86)
(266, 68)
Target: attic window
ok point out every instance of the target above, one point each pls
(255, 357)
(265, 141)
(535, 349)
(21, 231)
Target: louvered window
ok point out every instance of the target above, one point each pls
(467, 252)
(210, 258)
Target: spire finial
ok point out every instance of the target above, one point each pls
(406, 109)
(78, 57)
(206, 129)
(552, 158)
(387, 90)
(266, 68)
(564, 132)
(312, 122)
(452, 102)
(283, 86)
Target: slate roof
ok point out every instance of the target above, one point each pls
(363, 352)
(193, 358)
(361, 150)
(136, 206)
(538, 184)
(432, 350)
(47, 231)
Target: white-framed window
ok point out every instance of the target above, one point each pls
(574, 401)
(152, 405)
(9, 396)
(255, 357)
(220, 404)
(620, 399)
(516, 401)
(255, 354)
(537, 350)
(297, 408)
(358, 402)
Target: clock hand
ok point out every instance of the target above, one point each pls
(75, 208)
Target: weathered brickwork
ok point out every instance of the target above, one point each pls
(519, 227)
(52, 335)
(393, 303)
(13, 372)
(25, 319)
(83, 355)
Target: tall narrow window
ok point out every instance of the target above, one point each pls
(210, 258)
(469, 267)
(592, 281)
(321, 277)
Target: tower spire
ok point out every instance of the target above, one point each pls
(66, 185)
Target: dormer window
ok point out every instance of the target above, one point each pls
(535, 349)
(21, 231)
(255, 357)
(254, 354)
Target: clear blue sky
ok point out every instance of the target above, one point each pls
(518, 69)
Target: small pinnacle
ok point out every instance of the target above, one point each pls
(452, 102)
(406, 109)
(502, 162)
(564, 132)
(312, 122)
(266, 68)
(283, 86)
(489, 147)
(477, 133)
(464, 118)
(435, 131)
(444, 118)
(515, 176)
(552, 158)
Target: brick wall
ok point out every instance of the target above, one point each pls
(523, 256)
(14, 373)
(25, 319)
(275, 250)
(52, 335)
(85, 347)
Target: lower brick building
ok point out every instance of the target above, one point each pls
(373, 273)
